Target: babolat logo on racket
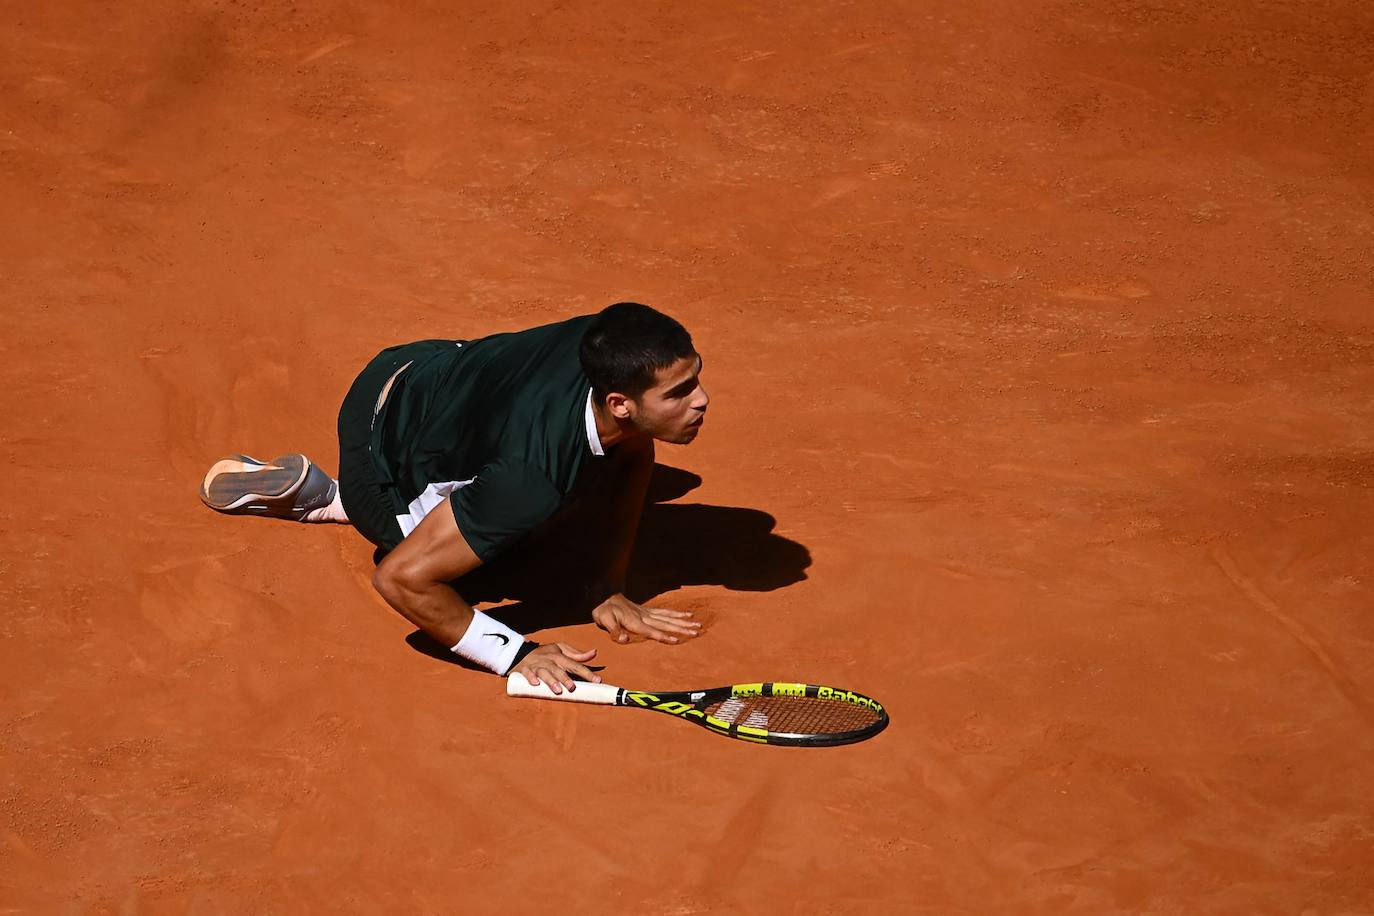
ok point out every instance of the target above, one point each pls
(830, 693)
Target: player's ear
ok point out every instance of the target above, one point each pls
(619, 405)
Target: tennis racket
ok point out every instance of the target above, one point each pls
(800, 715)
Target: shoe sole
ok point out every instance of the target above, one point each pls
(235, 481)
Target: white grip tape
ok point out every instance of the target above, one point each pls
(603, 694)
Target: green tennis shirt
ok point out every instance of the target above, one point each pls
(501, 427)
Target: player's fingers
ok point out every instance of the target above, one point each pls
(576, 654)
(639, 624)
(564, 677)
(546, 674)
(611, 624)
(666, 612)
(638, 628)
(672, 630)
(583, 672)
(659, 635)
(686, 628)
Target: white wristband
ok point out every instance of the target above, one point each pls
(489, 643)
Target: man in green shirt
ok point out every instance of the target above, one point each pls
(452, 451)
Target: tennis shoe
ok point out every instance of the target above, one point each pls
(286, 487)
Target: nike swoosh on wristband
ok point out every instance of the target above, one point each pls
(501, 636)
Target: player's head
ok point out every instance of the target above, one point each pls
(645, 371)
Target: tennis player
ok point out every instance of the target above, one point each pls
(451, 452)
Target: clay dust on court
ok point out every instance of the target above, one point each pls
(1040, 344)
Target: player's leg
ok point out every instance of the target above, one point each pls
(289, 486)
(371, 505)
(293, 487)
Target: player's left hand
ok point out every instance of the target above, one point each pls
(622, 619)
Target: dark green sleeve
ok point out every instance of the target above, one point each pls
(507, 500)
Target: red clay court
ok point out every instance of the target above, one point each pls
(1041, 348)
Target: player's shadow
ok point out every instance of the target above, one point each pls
(546, 583)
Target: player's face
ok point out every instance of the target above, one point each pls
(675, 407)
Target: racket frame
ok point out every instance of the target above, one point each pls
(690, 705)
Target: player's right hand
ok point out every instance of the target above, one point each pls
(554, 664)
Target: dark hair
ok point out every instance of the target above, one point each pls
(626, 346)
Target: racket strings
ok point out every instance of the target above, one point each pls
(794, 715)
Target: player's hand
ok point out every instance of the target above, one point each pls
(554, 664)
(622, 618)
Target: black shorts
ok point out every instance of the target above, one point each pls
(371, 507)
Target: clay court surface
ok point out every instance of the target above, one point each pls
(1040, 342)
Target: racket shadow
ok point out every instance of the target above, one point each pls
(548, 582)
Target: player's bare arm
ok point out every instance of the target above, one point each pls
(672, 409)
(620, 617)
(414, 579)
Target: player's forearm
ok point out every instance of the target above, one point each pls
(617, 571)
(434, 607)
(625, 511)
(414, 579)
(441, 612)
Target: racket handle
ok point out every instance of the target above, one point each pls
(603, 694)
